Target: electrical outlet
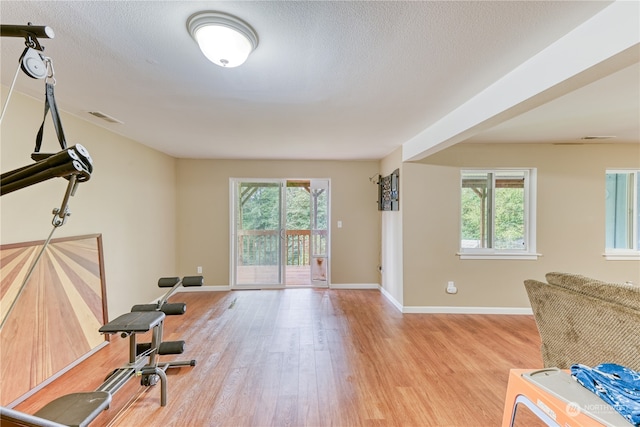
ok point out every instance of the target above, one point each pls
(451, 288)
(199, 268)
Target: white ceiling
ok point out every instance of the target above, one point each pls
(329, 79)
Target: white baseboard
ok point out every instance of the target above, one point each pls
(467, 310)
(354, 286)
(400, 307)
(390, 297)
(453, 310)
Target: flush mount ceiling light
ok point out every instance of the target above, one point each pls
(224, 39)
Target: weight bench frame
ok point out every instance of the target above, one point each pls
(131, 324)
(80, 409)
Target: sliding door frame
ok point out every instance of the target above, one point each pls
(233, 208)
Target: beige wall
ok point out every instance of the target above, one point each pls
(130, 199)
(203, 214)
(391, 259)
(570, 222)
(161, 216)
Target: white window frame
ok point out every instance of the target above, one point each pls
(530, 196)
(633, 254)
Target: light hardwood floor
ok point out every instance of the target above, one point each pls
(317, 357)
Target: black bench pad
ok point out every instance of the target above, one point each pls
(76, 409)
(137, 321)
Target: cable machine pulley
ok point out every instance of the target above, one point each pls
(71, 163)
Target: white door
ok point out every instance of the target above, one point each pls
(320, 232)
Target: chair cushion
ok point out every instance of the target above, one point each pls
(618, 293)
(579, 328)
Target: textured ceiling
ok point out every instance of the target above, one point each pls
(329, 80)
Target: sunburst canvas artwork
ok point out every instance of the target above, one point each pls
(50, 323)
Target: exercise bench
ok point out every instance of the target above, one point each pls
(80, 409)
(141, 319)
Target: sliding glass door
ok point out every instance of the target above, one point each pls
(258, 233)
(279, 232)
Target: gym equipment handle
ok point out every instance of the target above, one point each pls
(192, 281)
(169, 308)
(25, 30)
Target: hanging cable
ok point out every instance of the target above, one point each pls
(59, 217)
(27, 277)
(6, 103)
(73, 163)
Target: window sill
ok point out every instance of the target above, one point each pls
(622, 256)
(500, 256)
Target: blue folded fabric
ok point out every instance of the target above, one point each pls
(617, 385)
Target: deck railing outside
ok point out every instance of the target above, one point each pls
(260, 247)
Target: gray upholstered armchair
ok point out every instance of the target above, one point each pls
(583, 320)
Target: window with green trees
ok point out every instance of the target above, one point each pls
(495, 213)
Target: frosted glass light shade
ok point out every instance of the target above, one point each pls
(225, 40)
(223, 46)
